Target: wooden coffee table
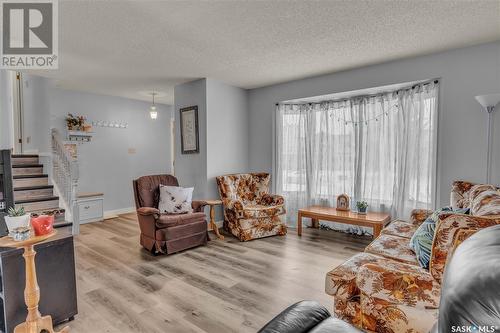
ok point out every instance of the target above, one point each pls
(374, 220)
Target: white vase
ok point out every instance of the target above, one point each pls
(17, 221)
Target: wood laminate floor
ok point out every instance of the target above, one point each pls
(226, 286)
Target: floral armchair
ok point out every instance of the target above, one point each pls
(250, 212)
(385, 290)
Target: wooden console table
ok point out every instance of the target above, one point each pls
(35, 323)
(373, 220)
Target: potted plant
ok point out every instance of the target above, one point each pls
(17, 217)
(361, 206)
(71, 121)
(75, 122)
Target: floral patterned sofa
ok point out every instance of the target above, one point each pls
(384, 289)
(250, 212)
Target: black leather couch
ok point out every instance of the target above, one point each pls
(470, 295)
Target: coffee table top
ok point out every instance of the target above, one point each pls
(331, 212)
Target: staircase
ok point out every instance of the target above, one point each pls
(31, 188)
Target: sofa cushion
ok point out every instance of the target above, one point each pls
(171, 220)
(299, 317)
(400, 228)
(421, 241)
(393, 247)
(248, 229)
(397, 297)
(478, 189)
(175, 199)
(257, 211)
(486, 203)
(247, 187)
(341, 281)
(459, 196)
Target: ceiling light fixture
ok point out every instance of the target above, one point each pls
(489, 102)
(152, 110)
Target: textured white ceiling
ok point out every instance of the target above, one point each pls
(123, 48)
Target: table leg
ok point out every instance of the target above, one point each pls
(299, 224)
(377, 228)
(314, 223)
(212, 223)
(35, 323)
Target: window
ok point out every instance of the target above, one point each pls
(375, 148)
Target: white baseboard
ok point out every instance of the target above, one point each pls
(110, 214)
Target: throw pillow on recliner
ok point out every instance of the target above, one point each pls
(175, 200)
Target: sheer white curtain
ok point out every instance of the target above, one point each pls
(380, 149)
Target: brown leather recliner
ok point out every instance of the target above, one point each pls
(167, 233)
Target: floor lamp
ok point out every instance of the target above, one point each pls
(489, 102)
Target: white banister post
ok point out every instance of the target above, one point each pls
(65, 177)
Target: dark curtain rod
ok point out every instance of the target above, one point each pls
(374, 95)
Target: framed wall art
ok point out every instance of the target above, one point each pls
(190, 143)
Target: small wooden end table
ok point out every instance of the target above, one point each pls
(212, 204)
(34, 323)
(371, 219)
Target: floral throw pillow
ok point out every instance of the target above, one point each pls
(486, 203)
(421, 241)
(175, 200)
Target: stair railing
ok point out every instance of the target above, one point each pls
(65, 177)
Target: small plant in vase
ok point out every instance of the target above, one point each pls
(17, 217)
(361, 206)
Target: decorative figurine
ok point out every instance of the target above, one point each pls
(343, 202)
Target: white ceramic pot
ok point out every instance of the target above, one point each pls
(17, 221)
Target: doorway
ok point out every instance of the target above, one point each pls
(17, 110)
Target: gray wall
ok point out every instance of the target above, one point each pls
(191, 169)
(464, 74)
(223, 124)
(227, 133)
(6, 121)
(105, 163)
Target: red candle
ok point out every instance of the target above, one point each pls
(42, 224)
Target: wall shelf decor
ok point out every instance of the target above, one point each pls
(79, 136)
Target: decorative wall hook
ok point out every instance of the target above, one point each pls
(109, 124)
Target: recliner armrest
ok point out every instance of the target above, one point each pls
(198, 205)
(146, 211)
